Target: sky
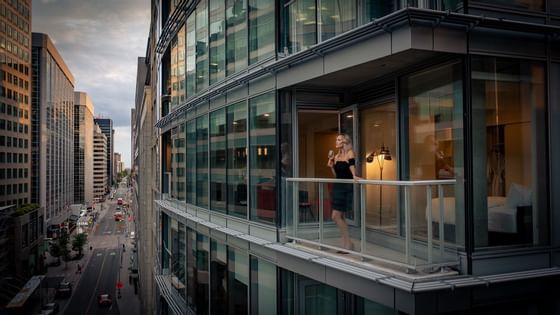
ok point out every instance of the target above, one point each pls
(100, 41)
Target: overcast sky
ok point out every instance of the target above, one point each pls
(100, 41)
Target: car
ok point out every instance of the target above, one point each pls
(104, 299)
(50, 309)
(64, 289)
(132, 235)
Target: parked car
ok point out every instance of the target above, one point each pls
(104, 300)
(64, 289)
(50, 309)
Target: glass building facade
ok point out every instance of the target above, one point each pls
(451, 131)
(53, 142)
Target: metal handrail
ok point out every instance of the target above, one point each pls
(408, 263)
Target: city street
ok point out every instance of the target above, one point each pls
(102, 266)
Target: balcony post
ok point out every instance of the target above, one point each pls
(407, 228)
(295, 207)
(429, 219)
(321, 211)
(362, 218)
(441, 220)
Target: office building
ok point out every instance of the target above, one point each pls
(106, 125)
(451, 110)
(15, 103)
(83, 148)
(100, 179)
(116, 164)
(53, 131)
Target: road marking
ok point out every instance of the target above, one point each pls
(99, 254)
(112, 254)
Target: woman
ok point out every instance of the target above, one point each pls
(343, 167)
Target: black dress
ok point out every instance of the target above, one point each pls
(343, 194)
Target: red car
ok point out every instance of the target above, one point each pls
(104, 299)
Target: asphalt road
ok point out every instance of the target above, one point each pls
(101, 273)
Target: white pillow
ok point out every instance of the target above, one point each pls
(519, 196)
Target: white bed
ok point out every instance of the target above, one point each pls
(501, 216)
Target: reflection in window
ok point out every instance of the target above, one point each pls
(191, 56)
(301, 27)
(435, 144)
(202, 161)
(178, 162)
(537, 5)
(508, 125)
(217, 41)
(261, 29)
(191, 162)
(191, 269)
(178, 69)
(337, 17)
(238, 278)
(179, 257)
(263, 287)
(236, 35)
(237, 159)
(202, 279)
(218, 160)
(201, 46)
(374, 9)
(262, 135)
(218, 278)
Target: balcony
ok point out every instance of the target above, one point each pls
(393, 223)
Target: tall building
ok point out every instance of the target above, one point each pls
(83, 148)
(441, 116)
(15, 103)
(116, 164)
(106, 125)
(100, 179)
(53, 131)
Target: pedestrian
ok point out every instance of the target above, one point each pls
(90, 247)
(79, 269)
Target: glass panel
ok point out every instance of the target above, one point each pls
(263, 287)
(191, 162)
(301, 27)
(237, 159)
(202, 285)
(178, 69)
(217, 41)
(192, 284)
(218, 160)
(219, 278)
(261, 29)
(236, 35)
(191, 55)
(263, 157)
(178, 162)
(435, 145)
(202, 161)
(238, 278)
(201, 46)
(317, 298)
(537, 5)
(179, 256)
(337, 17)
(509, 135)
(374, 9)
(378, 146)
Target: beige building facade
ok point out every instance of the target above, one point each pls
(99, 163)
(83, 148)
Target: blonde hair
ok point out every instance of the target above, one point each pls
(347, 142)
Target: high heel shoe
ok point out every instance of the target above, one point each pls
(350, 248)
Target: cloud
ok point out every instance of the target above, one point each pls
(99, 41)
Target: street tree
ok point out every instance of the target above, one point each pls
(78, 243)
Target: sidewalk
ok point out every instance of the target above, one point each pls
(129, 300)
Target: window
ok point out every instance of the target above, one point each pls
(262, 138)
(238, 280)
(201, 45)
(435, 141)
(191, 56)
(219, 278)
(509, 132)
(537, 5)
(236, 35)
(191, 162)
(261, 30)
(202, 161)
(217, 41)
(237, 159)
(263, 287)
(218, 160)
